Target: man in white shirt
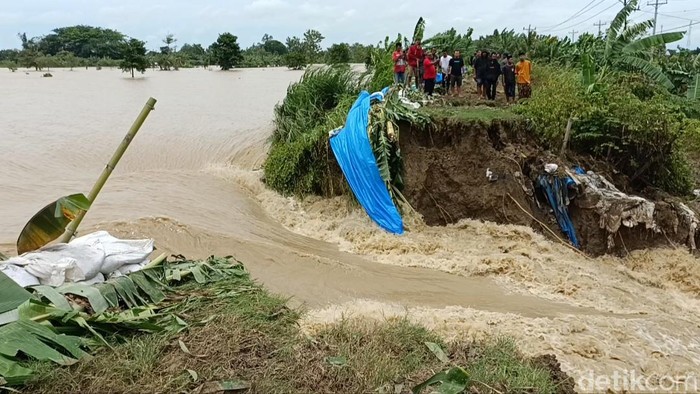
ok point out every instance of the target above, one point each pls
(445, 68)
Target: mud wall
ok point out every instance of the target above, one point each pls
(446, 180)
(446, 171)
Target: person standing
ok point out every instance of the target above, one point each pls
(481, 64)
(509, 79)
(456, 71)
(429, 73)
(523, 71)
(492, 71)
(399, 65)
(475, 62)
(415, 57)
(445, 70)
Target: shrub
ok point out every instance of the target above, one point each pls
(636, 127)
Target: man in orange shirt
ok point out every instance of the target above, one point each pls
(523, 71)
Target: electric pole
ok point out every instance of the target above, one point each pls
(690, 31)
(600, 24)
(625, 2)
(529, 29)
(656, 5)
(573, 35)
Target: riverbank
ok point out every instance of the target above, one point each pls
(243, 338)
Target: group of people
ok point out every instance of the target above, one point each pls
(425, 69)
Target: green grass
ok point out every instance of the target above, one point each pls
(239, 332)
(470, 114)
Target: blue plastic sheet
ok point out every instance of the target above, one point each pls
(555, 189)
(353, 151)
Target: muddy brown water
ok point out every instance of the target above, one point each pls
(190, 181)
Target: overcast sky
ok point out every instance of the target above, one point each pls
(365, 21)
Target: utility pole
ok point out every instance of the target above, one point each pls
(529, 29)
(573, 35)
(690, 31)
(600, 24)
(656, 5)
(625, 2)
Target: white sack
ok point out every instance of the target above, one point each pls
(118, 252)
(19, 275)
(99, 278)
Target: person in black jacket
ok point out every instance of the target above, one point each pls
(480, 64)
(509, 79)
(491, 73)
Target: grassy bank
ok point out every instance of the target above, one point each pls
(248, 338)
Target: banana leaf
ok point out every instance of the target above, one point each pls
(452, 381)
(694, 88)
(12, 295)
(50, 223)
(119, 305)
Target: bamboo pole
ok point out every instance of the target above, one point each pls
(73, 226)
(567, 135)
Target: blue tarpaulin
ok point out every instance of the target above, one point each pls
(353, 151)
(555, 189)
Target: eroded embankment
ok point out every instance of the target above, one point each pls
(462, 168)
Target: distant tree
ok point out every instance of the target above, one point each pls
(225, 51)
(68, 59)
(29, 55)
(358, 53)
(296, 57)
(275, 47)
(312, 45)
(83, 41)
(193, 54)
(133, 54)
(338, 54)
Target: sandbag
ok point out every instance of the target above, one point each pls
(118, 252)
(56, 264)
(99, 278)
(19, 275)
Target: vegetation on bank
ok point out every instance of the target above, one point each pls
(240, 336)
(87, 46)
(630, 103)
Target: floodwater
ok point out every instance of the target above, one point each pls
(191, 180)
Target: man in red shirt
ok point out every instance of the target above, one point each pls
(399, 65)
(429, 73)
(415, 55)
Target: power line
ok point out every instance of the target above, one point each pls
(585, 9)
(656, 5)
(586, 20)
(600, 24)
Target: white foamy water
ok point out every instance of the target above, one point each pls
(189, 181)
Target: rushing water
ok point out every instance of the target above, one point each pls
(189, 180)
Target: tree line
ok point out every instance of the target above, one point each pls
(85, 46)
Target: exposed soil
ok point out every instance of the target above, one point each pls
(460, 169)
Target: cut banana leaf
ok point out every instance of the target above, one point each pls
(12, 295)
(49, 223)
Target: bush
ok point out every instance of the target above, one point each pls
(309, 100)
(637, 128)
(299, 161)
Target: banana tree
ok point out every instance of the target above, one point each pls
(626, 48)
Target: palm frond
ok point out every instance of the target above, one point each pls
(647, 43)
(694, 88)
(651, 70)
(617, 23)
(419, 30)
(632, 32)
